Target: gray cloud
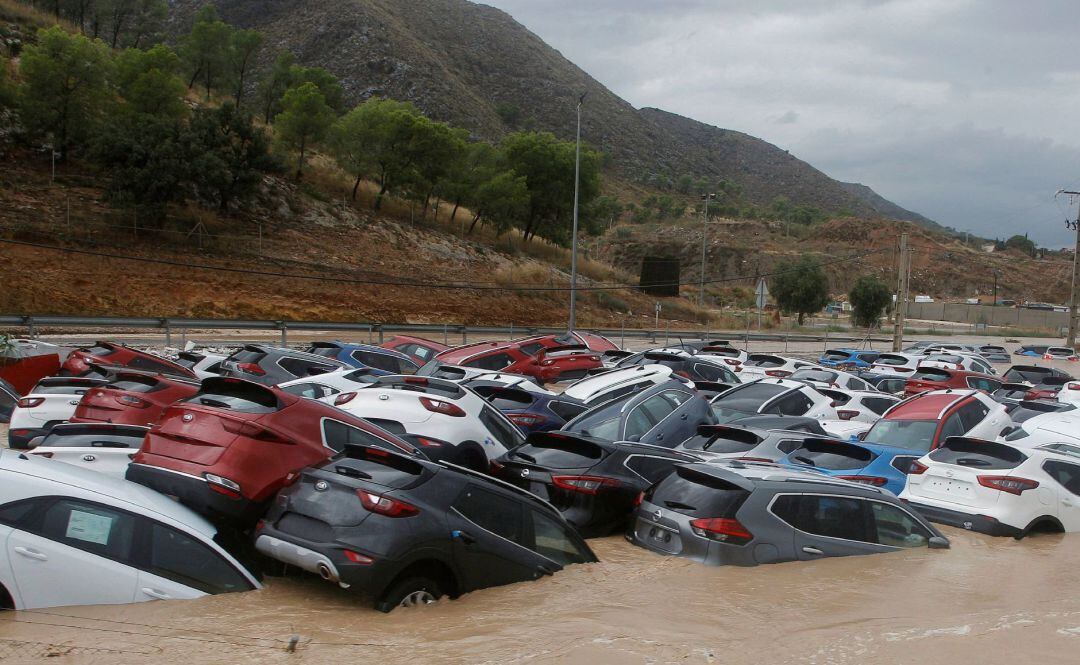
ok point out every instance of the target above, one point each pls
(963, 110)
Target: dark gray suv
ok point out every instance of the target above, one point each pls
(748, 513)
(271, 365)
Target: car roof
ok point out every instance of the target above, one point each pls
(750, 475)
(134, 495)
(928, 405)
(590, 385)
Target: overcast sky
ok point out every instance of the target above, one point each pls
(963, 110)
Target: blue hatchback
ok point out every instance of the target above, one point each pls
(860, 358)
(364, 356)
(881, 466)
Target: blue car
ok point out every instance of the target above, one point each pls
(531, 411)
(859, 358)
(364, 356)
(881, 466)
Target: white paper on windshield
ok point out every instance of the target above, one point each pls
(89, 527)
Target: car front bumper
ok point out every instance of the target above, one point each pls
(967, 521)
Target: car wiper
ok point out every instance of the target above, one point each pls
(805, 460)
(972, 461)
(351, 472)
(213, 402)
(678, 505)
(526, 457)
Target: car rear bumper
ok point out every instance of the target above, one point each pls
(196, 493)
(967, 521)
(19, 438)
(326, 560)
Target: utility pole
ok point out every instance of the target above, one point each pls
(1075, 226)
(704, 234)
(573, 244)
(902, 286)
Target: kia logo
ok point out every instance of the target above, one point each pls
(188, 418)
(658, 515)
(524, 473)
(322, 486)
(88, 458)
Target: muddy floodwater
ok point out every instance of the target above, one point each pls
(987, 599)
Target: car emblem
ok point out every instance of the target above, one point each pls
(74, 402)
(949, 473)
(384, 397)
(658, 515)
(188, 418)
(322, 486)
(88, 458)
(524, 473)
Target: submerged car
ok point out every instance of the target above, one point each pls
(921, 423)
(203, 363)
(663, 415)
(75, 537)
(592, 482)
(547, 359)
(701, 367)
(98, 447)
(866, 463)
(404, 531)
(856, 358)
(937, 378)
(531, 411)
(746, 443)
(735, 513)
(766, 365)
(270, 365)
(780, 397)
(53, 400)
(1032, 374)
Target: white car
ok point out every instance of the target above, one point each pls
(69, 536)
(962, 361)
(507, 381)
(331, 383)
(732, 357)
(435, 413)
(593, 390)
(1060, 353)
(860, 405)
(101, 447)
(826, 377)
(767, 365)
(779, 397)
(1069, 393)
(1060, 427)
(204, 364)
(53, 400)
(997, 488)
(897, 364)
(845, 430)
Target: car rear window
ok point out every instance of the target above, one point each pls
(759, 360)
(89, 437)
(720, 351)
(696, 494)
(1026, 374)
(566, 410)
(325, 350)
(992, 349)
(99, 350)
(750, 398)
(722, 440)
(892, 360)
(931, 374)
(235, 395)
(376, 466)
(978, 454)
(814, 375)
(188, 360)
(63, 388)
(506, 399)
(559, 453)
(136, 384)
(832, 455)
(836, 355)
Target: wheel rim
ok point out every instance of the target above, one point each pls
(417, 598)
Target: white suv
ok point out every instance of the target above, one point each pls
(53, 400)
(75, 537)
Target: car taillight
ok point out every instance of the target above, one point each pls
(1074, 386)
(584, 484)
(526, 419)
(1015, 486)
(638, 499)
(778, 373)
(131, 400)
(683, 373)
(30, 402)
(731, 361)
(384, 505)
(417, 380)
(216, 483)
(251, 368)
(445, 408)
(846, 414)
(260, 525)
(356, 557)
(876, 481)
(722, 529)
(344, 398)
(428, 442)
(43, 454)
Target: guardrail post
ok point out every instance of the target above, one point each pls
(786, 336)
(667, 333)
(30, 327)
(380, 335)
(284, 333)
(445, 333)
(168, 336)
(511, 330)
(826, 340)
(370, 333)
(464, 335)
(622, 335)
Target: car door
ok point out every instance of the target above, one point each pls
(660, 412)
(174, 565)
(73, 552)
(827, 525)
(489, 531)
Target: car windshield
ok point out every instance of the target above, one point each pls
(601, 422)
(908, 434)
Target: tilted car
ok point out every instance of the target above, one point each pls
(997, 488)
(866, 463)
(404, 531)
(329, 384)
(963, 361)
(686, 365)
(1032, 374)
(750, 444)
(994, 353)
(733, 357)
(270, 365)
(531, 411)
(750, 513)
(663, 415)
(99, 447)
(226, 451)
(897, 364)
(80, 361)
(132, 398)
(921, 423)
(766, 365)
(856, 358)
(75, 537)
(1042, 429)
(599, 388)
(781, 397)
(419, 349)
(936, 378)
(593, 482)
(203, 363)
(53, 400)
(547, 358)
(379, 360)
(859, 405)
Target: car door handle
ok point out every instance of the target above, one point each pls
(812, 550)
(464, 536)
(684, 416)
(31, 554)
(154, 593)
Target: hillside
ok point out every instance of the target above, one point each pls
(887, 208)
(476, 67)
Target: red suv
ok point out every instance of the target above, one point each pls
(82, 360)
(546, 359)
(419, 349)
(132, 398)
(937, 378)
(227, 450)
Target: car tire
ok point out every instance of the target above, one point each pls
(411, 591)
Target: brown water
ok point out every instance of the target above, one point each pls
(984, 598)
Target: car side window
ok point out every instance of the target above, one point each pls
(180, 558)
(789, 446)
(638, 422)
(531, 349)
(952, 427)
(310, 390)
(795, 404)
(90, 527)
(1067, 475)
(896, 528)
(298, 367)
(383, 361)
(13, 514)
(675, 398)
(972, 413)
(551, 539)
(503, 432)
(709, 372)
(336, 435)
(150, 365)
(493, 512)
(652, 469)
(829, 516)
(495, 361)
(405, 366)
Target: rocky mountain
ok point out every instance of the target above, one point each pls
(887, 208)
(476, 67)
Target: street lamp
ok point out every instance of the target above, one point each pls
(704, 234)
(573, 243)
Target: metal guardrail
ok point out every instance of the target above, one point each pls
(33, 324)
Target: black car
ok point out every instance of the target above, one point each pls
(593, 482)
(1032, 374)
(405, 531)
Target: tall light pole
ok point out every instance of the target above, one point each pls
(704, 234)
(1073, 304)
(573, 242)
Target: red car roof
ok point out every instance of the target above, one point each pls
(925, 407)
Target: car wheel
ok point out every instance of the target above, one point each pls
(411, 592)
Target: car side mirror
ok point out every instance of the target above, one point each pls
(938, 543)
(634, 437)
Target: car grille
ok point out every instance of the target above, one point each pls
(305, 527)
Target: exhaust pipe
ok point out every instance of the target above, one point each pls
(324, 572)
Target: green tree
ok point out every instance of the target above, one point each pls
(206, 50)
(375, 140)
(148, 81)
(801, 287)
(869, 299)
(147, 21)
(304, 121)
(7, 89)
(434, 146)
(473, 167)
(501, 200)
(1022, 243)
(244, 48)
(273, 85)
(328, 84)
(65, 86)
(148, 159)
(230, 154)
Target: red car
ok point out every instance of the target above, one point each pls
(419, 349)
(132, 398)
(937, 378)
(921, 424)
(106, 353)
(227, 450)
(542, 358)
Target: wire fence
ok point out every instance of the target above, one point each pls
(11, 649)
